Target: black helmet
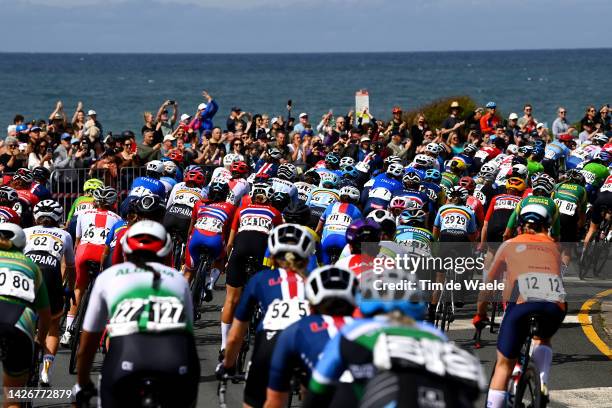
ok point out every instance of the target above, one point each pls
(148, 206)
(280, 200)
(297, 213)
(41, 174)
(218, 191)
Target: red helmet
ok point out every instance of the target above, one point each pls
(195, 176)
(175, 155)
(467, 183)
(565, 137)
(239, 167)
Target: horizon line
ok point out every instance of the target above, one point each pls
(300, 53)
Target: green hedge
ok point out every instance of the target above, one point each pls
(438, 110)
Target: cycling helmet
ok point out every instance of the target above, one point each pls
(351, 192)
(385, 219)
(491, 105)
(105, 195)
(48, 208)
(364, 230)
(329, 180)
(175, 155)
(543, 183)
(456, 166)
(274, 153)
(329, 283)
(332, 160)
(600, 139)
(534, 214)
(424, 161)
(516, 183)
(218, 191)
(149, 206)
(170, 169)
(261, 189)
(392, 159)
(297, 213)
(411, 179)
(575, 176)
(194, 176)
(526, 150)
(350, 172)
(433, 148)
(228, 159)
(602, 155)
(280, 200)
(8, 195)
(24, 175)
(92, 184)
(41, 174)
(470, 149)
(347, 161)
(155, 168)
(395, 170)
(457, 192)
(512, 149)
(398, 203)
(519, 160)
(372, 301)
(192, 167)
(14, 234)
(433, 176)
(313, 176)
(239, 168)
(147, 236)
(363, 167)
(286, 171)
(412, 215)
(467, 183)
(291, 238)
(488, 169)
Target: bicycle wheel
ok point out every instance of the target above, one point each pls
(585, 264)
(600, 261)
(76, 331)
(529, 390)
(197, 286)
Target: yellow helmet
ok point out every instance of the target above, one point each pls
(92, 184)
(516, 183)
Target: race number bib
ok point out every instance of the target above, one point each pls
(255, 223)
(209, 224)
(81, 208)
(322, 199)
(186, 198)
(16, 284)
(481, 197)
(140, 191)
(505, 205)
(607, 186)
(588, 176)
(45, 243)
(18, 208)
(550, 154)
(482, 154)
(153, 314)
(380, 193)
(541, 286)
(339, 221)
(282, 313)
(566, 207)
(455, 222)
(95, 235)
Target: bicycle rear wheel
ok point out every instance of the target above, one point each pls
(529, 390)
(76, 331)
(197, 286)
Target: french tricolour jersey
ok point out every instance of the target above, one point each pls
(337, 217)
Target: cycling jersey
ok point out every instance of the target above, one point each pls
(268, 169)
(7, 214)
(168, 183)
(571, 199)
(337, 217)
(79, 206)
(595, 173)
(147, 186)
(449, 180)
(378, 192)
(603, 201)
(416, 198)
(299, 346)
(323, 197)
(485, 192)
(284, 186)
(239, 188)
(547, 203)
(357, 263)
(114, 235)
(477, 207)
(534, 167)
(485, 154)
(41, 191)
(221, 174)
(182, 199)
(125, 301)
(455, 220)
(256, 218)
(501, 208)
(555, 150)
(304, 190)
(417, 240)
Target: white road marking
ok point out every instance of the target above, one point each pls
(582, 397)
(466, 324)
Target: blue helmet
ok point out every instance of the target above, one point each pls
(602, 155)
(372, 300)
(433, 175)
(491, 105)
(350, 171)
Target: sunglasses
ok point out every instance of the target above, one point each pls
(591, 110)
(563, 112)
(237, 144)
(127, 144)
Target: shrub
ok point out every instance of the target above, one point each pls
(438, 110)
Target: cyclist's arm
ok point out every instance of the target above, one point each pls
(511, 226)
(281, 366)
(555, 230)
(327, 371)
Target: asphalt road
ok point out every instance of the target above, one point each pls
(581, 374)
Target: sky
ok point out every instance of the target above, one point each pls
(233, 26)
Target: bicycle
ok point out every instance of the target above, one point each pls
(93, 268)
(34, 375)
(179, 249)
(595, 255)
(525, 387)
(198, 285)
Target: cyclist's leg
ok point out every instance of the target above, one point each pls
(55, 289)
(332, 243)
(18, 360)
(234, 282)
(259, 369)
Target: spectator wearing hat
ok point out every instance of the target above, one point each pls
(512, 128)
(206, 112)
(164, 123)
(235, 116)
(542, 132)
(303, 123)
(167, 145)
(453, 122)
(397, 124)
(12, 159)
(489, 120)
(560, 125)
(472, 121)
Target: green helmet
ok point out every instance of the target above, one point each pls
(92, 184)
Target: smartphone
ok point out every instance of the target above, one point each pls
(133, 147)
(289, 102)
(171, 102)
(49, 150)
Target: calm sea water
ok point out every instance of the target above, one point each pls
(120, 87)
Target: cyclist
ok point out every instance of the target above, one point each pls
(91, 230)
(571, 199)
(41, 177)
(595, 172)
(285, 179)
(248, 239)
(238, 185)
(452, 173)
(25, 307)
(369, 347)
(268, 164)
(145, 307)
(331, 295)
(84, 202)
(148, 184)
(363, 239)
(334, 222)
(321, 197)
(531, 260)
(486, 188)
(472, 202)
(8, 198)
(543, 186)
(225, 172)
(22, 183)
(411, 192)
(168, 177)
(280, 200)
(209, 230)
(181, 201)
(331, 164)
(280, 294)
(311, 180)
(412, 233)
(386, 220)
(601, 206)
(430, 185)
(378, 191)
(455, 221)
(555, 153)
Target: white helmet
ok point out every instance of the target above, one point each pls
(433, 148)
(346, 161)
(48, 208)
(512, 149)
(331, 282)
(395, 169)
(424, 161)
(170, 168)
(381, 216)
(519, 170)
(147, 236)
(286, 171)
(228, 159)
(13, 233)
(155, 166)
(488, 169)
(351, 192)
(291, 238)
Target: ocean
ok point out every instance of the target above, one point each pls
(120, 87)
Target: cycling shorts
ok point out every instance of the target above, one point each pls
(17, 347)
(259, 368)
(199, 242)
(416, 388)
(315, 216)
(247, 244)
(128, 361)
(515, 325)
(453, 236)
(569, 228)
(330, 242)
(84, 253)
(178, 223)
(52, 275)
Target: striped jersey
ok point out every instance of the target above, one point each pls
(213, 218)
(337, 217)
(455, 218)
(257, 218)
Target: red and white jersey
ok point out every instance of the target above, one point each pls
(94, 225)
(28, 196)
(221, 173)
(238, 188)
(7, 214)
(257, 218)
(356, 263)
(184, 196)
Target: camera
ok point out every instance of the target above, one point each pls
(171, 102)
